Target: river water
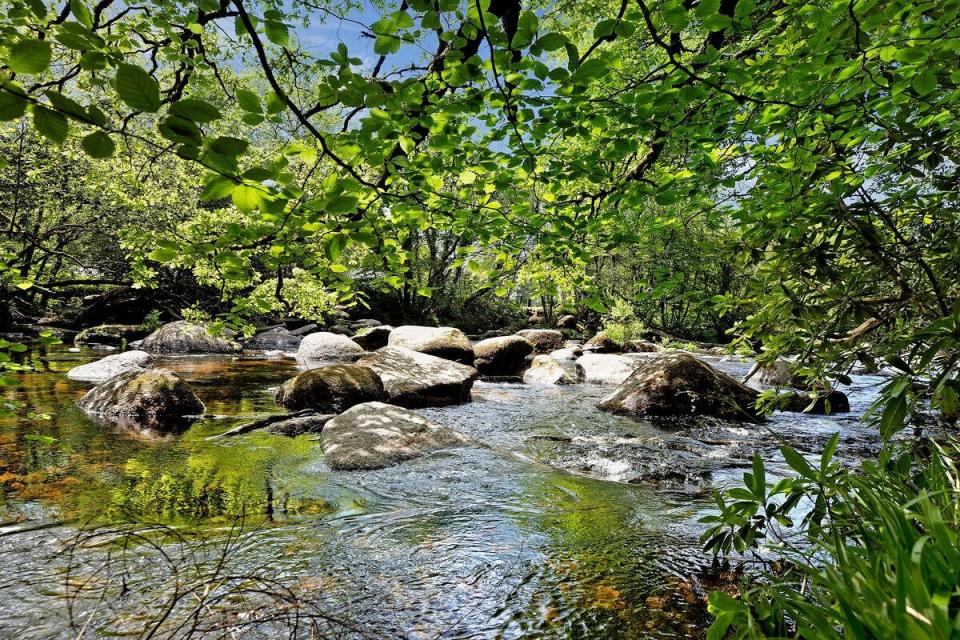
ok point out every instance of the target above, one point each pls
(569, 523)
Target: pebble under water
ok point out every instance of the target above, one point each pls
(566, 522)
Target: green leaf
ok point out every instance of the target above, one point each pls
(341, 204)
(137, 89)
(196, 110)
(249, 101)
(30, 56)
(98, 145)
(551, 41)
(228, 146)
(924, 82)
(277, 32)
(81, 13)
(246, 197)
(12, 104)
(217, 188)
(51, 125)
(162, 254)
(338, 268)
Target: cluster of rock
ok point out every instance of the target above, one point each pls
(358, 391)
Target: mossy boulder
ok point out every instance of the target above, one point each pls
(602, 343)
(151, 396)
(331, 388)
(679, 385)
(184, 337)
(442, 342)
(543, 340)
(502, 356)
(112, 334)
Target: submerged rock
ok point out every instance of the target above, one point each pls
(413, 379)
(151, 396)
(826, 402)
(184, 337)
(113, 334)
(300, 425)
(331, 388)
(679, 385)
(324, 346)
(375, 435)
(604, 368)
(112, 365)
(546, 370)
(442, 342)
(276, 339)
(543, 340)
(373, 338)
(502, 356)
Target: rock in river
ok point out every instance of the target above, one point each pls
(149, 396)
(602, 343)
(275, 339)
(373, 338)
(546, 370)
(107, 367)
(324, 346)
(375, 435)
(442, 342)
(543, 340)
(114, 334)
(413, 379)
(679, 385)
(502, 356)
(826, 403)
(184, 337)
(602, 368)
(330, 389)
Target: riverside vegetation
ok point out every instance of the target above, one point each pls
(696, 223)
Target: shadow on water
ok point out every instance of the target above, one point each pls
(573, 523)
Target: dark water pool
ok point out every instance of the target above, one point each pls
(569, 523)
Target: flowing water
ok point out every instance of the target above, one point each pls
(569, 523)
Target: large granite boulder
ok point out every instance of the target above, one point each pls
(413, 379)
(112, 334)
(330, 388)
(502, 356)
(602, 343)
(679, 385)
(779, 373)
(827, 402)
(375, 435)
(442, 342)
(567, 322)
(373, 338)
(324, 346)
(107, 367)
(605, 368)
(184, 337)
(151, 396)
(546, 370)
(543, 340)
(275, 339)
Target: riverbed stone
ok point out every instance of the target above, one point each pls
(324, 346)
(364, 323)
(413, 379)
(605, 368)
(442, 342)
(567, 354)
(112, 334)
(543, 340)
(330, 389)
(602, 343)
(502, 356)
(679, 385)
(828, 402)
(184, 337)
(545, 370)
(106, 368)
(375, 435)
(299, 425)
(151, 395)
(779, 373)
(304, 330)
(373, 338)
(566, 322)
(275, 339)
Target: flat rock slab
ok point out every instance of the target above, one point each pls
(375, 435)
(106, 368)
(184, 337)
(412, 379)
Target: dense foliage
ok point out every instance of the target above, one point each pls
(779, 172)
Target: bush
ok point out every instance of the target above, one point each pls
(621, 323)
(868, 553)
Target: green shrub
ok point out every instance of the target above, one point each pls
(621, 323)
